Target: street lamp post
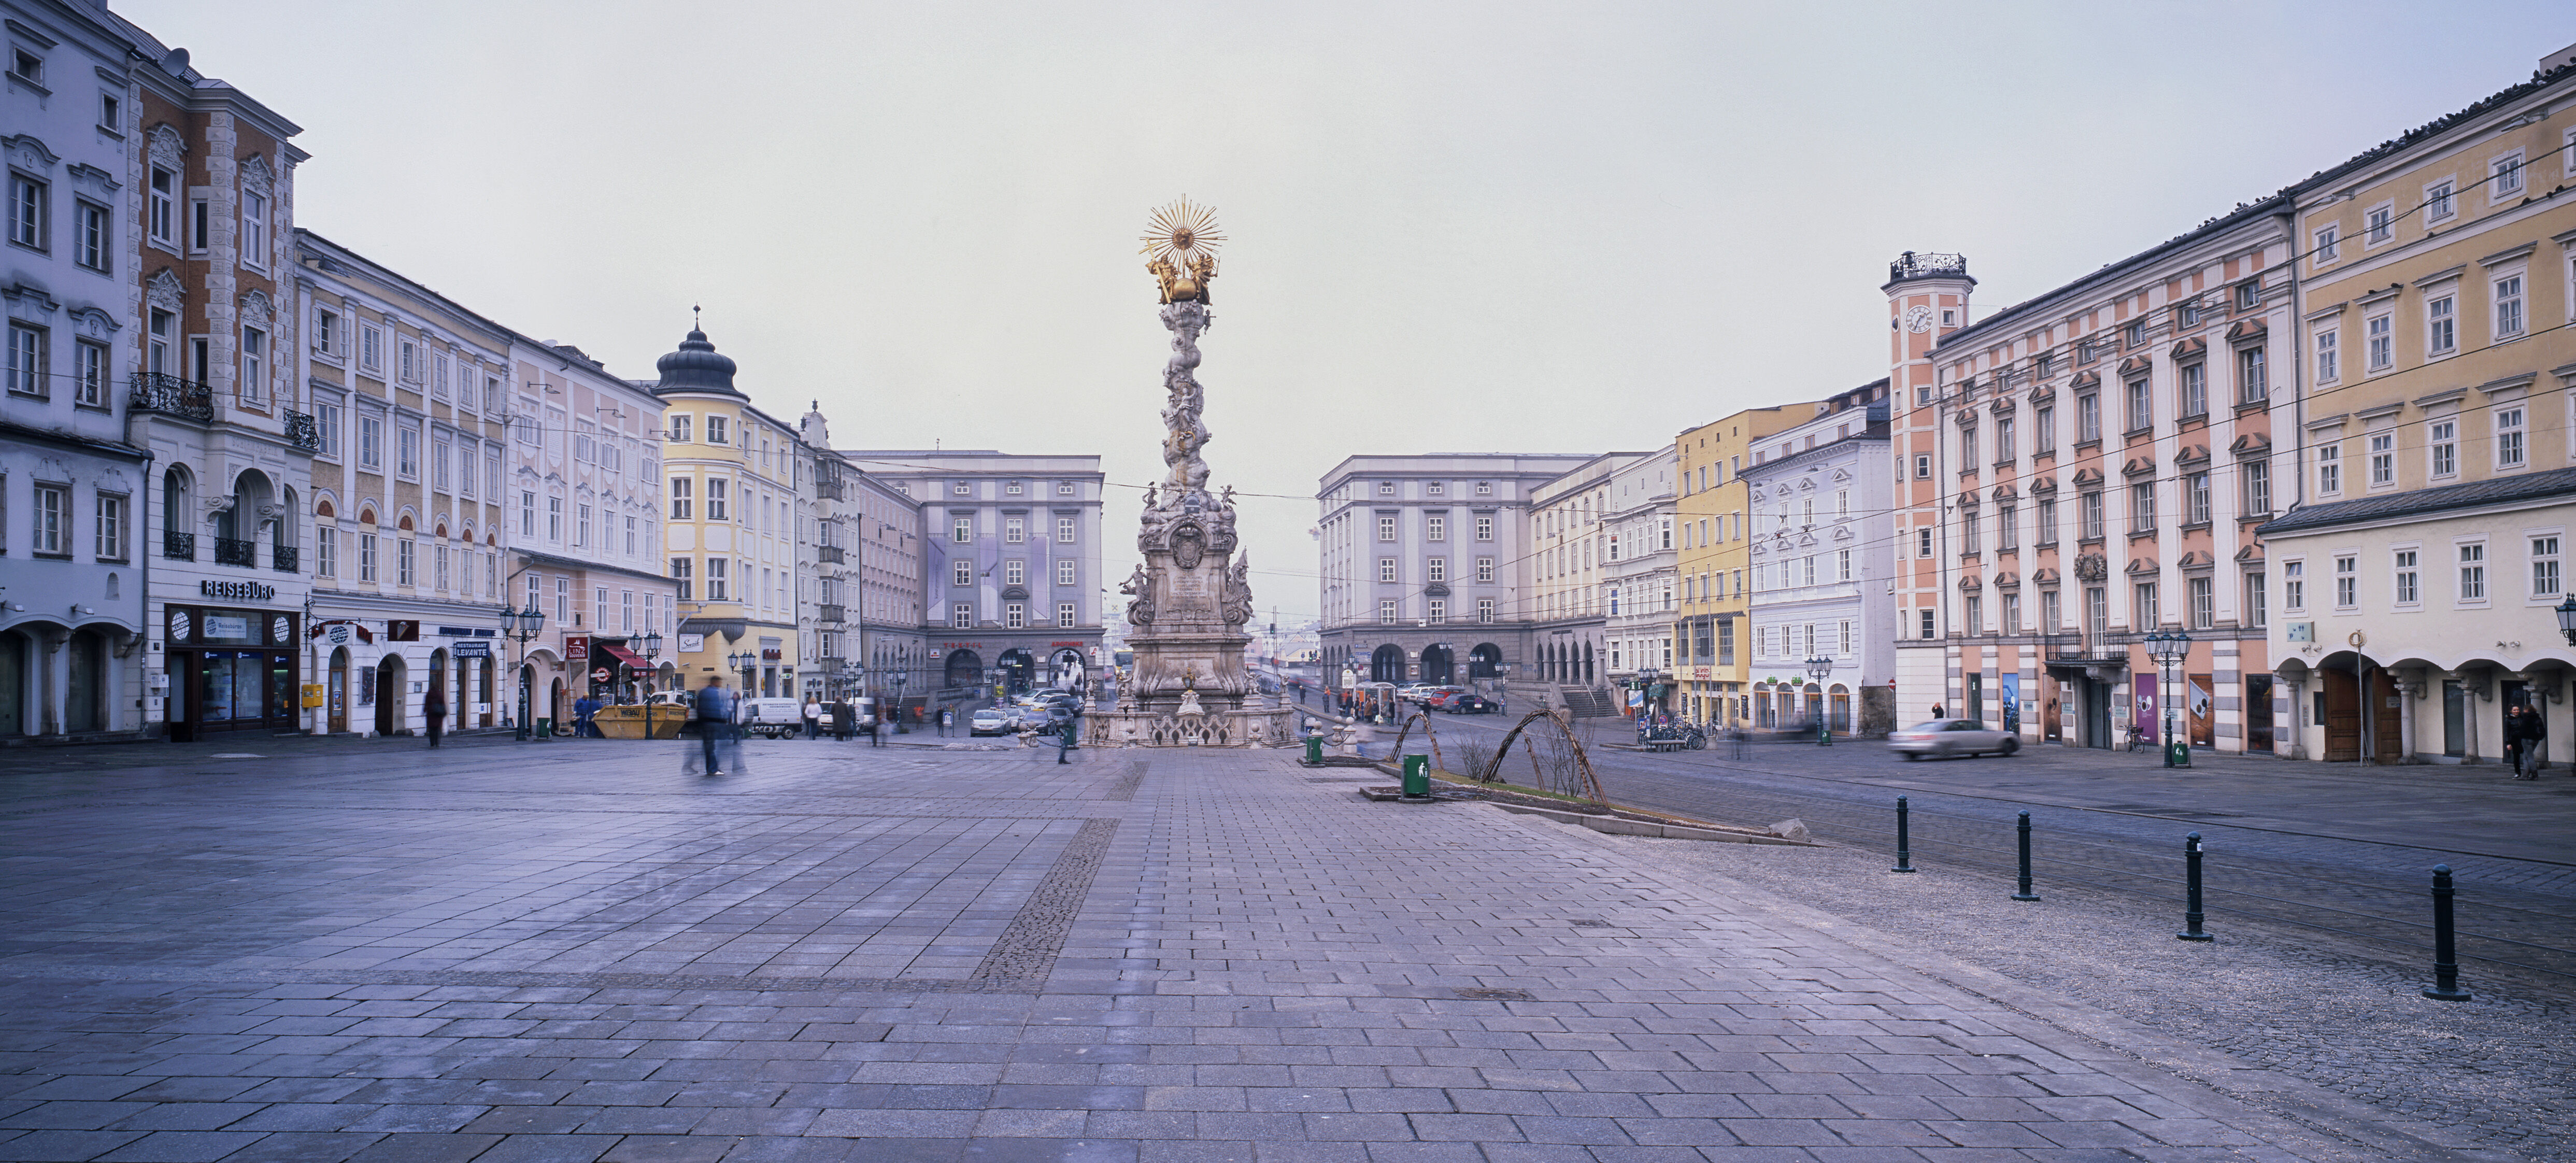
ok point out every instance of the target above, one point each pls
(1820, 669)
(522, 626)
(898, 703)
(2169, 648)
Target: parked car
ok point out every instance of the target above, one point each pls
(1951, 737)
(775, 718)
(1470, 704)
(993, 721)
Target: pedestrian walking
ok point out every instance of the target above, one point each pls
(875, 725)
(714, 721)
(946, 717)
(1936, 710)
(2527, 740)
(813, 718)
(1064, 732)
(434, 712)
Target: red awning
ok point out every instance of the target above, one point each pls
(624, 655)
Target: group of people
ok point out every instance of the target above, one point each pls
(842, 720)
(2526, 741)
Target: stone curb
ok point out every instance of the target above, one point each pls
(1626, 827)
(2315, 1123)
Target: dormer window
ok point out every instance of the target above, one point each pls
(27, 66)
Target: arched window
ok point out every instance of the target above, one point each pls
(177, 539)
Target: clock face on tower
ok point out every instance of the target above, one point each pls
(1918, 320)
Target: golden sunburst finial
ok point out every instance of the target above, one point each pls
(1181, 242)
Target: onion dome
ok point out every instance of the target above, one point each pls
(695, 367)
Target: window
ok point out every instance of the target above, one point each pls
(407, 449)
(1923, 466)
(527, 514)
(2473, 572)
(201, 231)
(367, 558)
(1843, 563)
(2044, 432)
(2134, 334)
(2438, 203)
(1436, 610)
(1923, 542)
(2249, 295)
(1386, 612)
(2144, 613)
(1968, 541)
(2329, 245)
(1435, 528)
(26, 371)
(2329, 469)
(108, 540)
(2088, 515)
(2142, 412)
(2294, 585)
(1484, 569)
(554, 520)
(2142, 507)
(680, 498)
(2383, 459)
(441, 453)
(406, 562)
(2441, 325)
(1386, 527)
(1967, 448)
(1436, 570)
(326, 550)
(1065, 572)
(961, 572)
(581, 529)
(716, 429)
(2204, 604)
(1926, 624)
(161, 213)
(2257, 477)
(1484, 609)
(1012, 487)
(1386, 569)
(1064, 527)
(2508, 307)
(2252, 381)
(1065, 615)
(2504, 177)
(2328, 362)
(630, 537)
(254, 240)
(2050, 612)
(28, 202)
(2442, 445)
(717, 487)
(679, 428)
(2378, 224)
(962, 489)
(2545, 579)
(1015, 572)
(2379, 347)
(2196, 498)
(2046, 534)
(2405, 569)
(1015, 530)
(1484, 528)
(2509, 437)
(92, 235)
(90, 374)
(716, 579)
(2088, 418)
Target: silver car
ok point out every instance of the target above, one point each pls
(1951, 737)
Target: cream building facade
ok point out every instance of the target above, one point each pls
(1641, 584)
(1568, 613)
(1712, 656)
(733, 477)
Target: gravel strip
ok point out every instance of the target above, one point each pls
(2496, 1069)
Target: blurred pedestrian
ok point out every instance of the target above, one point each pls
(434, 711)
(844, 721)
(813, 718)
(714, 721)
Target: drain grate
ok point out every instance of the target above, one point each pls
(1480, 994)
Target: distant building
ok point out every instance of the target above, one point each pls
(1711, 644)
(1640, 587)
(734, 477)
(1818, 495)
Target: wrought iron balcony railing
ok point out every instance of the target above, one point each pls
(282, 558)
(172, 396)
(179, 546)
(302, 432)
(828, 614)
(234, 551)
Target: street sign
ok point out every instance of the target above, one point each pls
(600, 675)
(471, 648)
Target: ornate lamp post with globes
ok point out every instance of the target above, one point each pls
(522, 626)
(2168, 648)
(1820, 669)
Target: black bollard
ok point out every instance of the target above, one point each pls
(2025, 894)
(2191, 872)
(2446, 958)
(1904, 853)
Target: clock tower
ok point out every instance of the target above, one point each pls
(1927, 299)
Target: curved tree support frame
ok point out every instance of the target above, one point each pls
(1424, 717)
(1582, 762)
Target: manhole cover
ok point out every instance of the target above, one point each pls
(1476, 994)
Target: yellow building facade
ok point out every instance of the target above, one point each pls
(1711, 653)
(732, 477)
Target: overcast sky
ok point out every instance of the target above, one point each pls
(1455, 228)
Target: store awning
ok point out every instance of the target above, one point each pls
(624, 655)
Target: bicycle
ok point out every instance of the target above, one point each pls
(2138, 740)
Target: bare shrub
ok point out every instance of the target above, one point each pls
(1477, 755)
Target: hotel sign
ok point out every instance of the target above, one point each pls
(236, 591)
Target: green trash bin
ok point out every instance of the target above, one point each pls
(1314, 751)
(1417, 775)
(2181, 753)
(545, 728)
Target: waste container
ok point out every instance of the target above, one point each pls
(2181, 753)
(545, 728)
(1417, 775)
(1314, 751)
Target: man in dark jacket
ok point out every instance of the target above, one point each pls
(2529, 731)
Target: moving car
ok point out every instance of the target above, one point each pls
(1951, 737)
(992, 721)
(1469, 704)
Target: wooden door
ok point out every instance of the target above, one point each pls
(2343, 715)
(338, 694)
(2388, 726)
(2258, 713)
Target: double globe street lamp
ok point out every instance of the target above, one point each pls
(2169, 648)
(1821, 668)
(522, 627)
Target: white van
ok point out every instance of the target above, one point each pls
(776, 718)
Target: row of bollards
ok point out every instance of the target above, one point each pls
(2446, 961)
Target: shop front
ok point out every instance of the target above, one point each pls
(231, 668)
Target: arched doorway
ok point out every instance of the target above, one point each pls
(965, 668)
(336, 693)
(1485, 661)
(438, 687)
(483, 692)
(85, 696)
(558, 704)
(1588, 674)
(1017, 670)
(13, 682)
(519, 698)
(1066, 670)
(1439, 667)
(391, 714)
(1387, 664)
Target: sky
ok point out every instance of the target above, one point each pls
(1491, 227)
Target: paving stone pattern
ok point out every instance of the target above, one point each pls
(577, 953)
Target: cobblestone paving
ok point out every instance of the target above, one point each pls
(498, 954)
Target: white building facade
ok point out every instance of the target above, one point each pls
(1641, 583)
(1819, 497)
